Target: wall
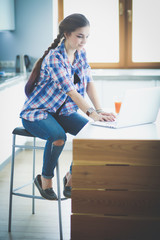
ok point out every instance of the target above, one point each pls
(33, 30)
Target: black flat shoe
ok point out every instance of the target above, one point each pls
(66, 189)
(48, 193)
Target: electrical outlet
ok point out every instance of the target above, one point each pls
(7, 64)
(11, 64)
(3, 64)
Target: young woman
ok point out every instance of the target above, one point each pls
(55, 91)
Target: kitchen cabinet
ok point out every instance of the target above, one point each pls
(11, 101)
(7, 15)
(116, 183)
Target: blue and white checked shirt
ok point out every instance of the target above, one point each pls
(56, 79)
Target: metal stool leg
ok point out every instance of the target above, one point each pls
(33, 176)
(59, 202)
(11, 184)
(19, 131)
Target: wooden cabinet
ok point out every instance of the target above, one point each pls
(7, 15)
(116, 189)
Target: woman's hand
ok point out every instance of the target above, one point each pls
(103, 116)
(109, 117)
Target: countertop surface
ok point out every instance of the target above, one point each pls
(125, 74)
(140, 132)
(11, 81)
(8, 77)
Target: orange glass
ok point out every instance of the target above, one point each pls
(117, 106)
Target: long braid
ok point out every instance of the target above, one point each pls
(36, 69)
(53, 45)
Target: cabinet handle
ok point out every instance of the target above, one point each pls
(129, 13)
(121, 9)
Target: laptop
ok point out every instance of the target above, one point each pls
(139, 106)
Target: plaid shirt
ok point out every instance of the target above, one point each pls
(56, 79)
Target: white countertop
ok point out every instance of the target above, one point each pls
(12, 81)
(126, 74)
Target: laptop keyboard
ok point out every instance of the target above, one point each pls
(111, 124)
(105, 124)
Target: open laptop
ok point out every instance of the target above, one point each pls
(139, 106)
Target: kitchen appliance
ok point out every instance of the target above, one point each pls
(28, 64)
(20, 64)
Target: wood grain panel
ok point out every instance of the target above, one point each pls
(116, 202)
(134, 152)
(86, 227)
(116, 177)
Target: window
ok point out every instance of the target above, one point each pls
(124, 33)
(146, 33)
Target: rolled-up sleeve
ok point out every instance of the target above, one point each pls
(88, 75)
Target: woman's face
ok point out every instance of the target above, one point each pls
(77, 39)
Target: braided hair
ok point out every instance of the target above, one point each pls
(67, 25)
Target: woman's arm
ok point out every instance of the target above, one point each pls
(92, 93)
(84, 106)
(79, 100)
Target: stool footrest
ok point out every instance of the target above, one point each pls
(29, 147)
(28, 196)
(36, 197)
(25, 185)
(14, 192)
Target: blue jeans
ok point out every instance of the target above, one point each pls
(53, 128)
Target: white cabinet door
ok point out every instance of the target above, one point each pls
(11, 102)
(7, 15)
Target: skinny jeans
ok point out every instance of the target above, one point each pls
(53, 128)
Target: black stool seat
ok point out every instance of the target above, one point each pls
(22, 131)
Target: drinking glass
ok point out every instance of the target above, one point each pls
(117, 106)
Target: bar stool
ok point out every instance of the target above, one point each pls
(21, 131)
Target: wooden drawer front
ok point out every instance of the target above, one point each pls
(115, 190)
(116, 203)
(116, 177)
(88, 227)
(134, 152)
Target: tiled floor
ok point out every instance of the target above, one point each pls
(44, 223)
